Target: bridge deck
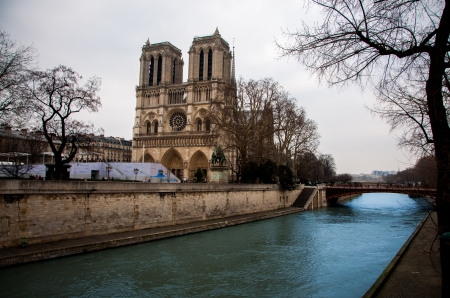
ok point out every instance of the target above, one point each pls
(333, 192)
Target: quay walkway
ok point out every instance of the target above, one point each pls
(415, 271)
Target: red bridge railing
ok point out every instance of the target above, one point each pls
(333, 192)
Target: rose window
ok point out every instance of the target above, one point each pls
(178, 121)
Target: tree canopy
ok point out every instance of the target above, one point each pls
(260, 123)
(54, 97)
(16, 63)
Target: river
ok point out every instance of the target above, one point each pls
(330, 252)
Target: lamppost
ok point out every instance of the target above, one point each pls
(108, 169)
(135, 173)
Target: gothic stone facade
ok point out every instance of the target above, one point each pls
(171, 123)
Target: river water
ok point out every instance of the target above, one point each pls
(330, 252)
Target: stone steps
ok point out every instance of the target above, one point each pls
(303, 198)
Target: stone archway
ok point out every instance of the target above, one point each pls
(148, 158)
(173, 161)
(198, 160)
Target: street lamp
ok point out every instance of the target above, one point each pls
(108, 169)
(135, 173)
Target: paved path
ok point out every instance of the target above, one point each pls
(415, 271)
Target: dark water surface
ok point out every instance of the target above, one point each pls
(330, 252)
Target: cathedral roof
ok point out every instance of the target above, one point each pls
(215, 35)
(150, 46)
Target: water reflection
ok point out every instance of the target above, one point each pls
(330, 252)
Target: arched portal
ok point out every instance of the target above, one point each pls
(198, 160)
(147, 158)
(173, 161)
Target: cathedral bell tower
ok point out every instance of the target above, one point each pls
(209, 59)
(161, 64)
(172, 122)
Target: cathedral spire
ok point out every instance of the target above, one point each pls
(233, 67)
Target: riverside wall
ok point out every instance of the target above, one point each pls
(43, 211)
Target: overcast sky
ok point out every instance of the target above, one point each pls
(104, 38)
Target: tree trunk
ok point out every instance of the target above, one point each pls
(441, 137)
(58, 168)
(443, 212)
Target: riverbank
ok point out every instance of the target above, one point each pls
(244, 258)
(49, 250)
(415, 270)
(34, 211)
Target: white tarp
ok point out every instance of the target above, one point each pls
(151, 172)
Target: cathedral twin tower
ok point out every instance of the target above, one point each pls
(171, 124)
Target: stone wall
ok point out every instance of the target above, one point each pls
(43, 211)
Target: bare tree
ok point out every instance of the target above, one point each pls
(55, 96)
(306, 136)
(379, 42)
(402, 103)
(16, 62)
(344, 178)
(294, 133)
(426, 170)
(260, 122)
(308, 167)
(243, 120)
(329, 166)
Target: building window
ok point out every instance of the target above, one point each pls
(155, 129)
(151, 71)
(149, 129)
(207, 125)
(199, 125)
(208, 94)
(210, 58)
(178, 121)
(158, 76)
(200, 70)
(177, 96)
(198, 94)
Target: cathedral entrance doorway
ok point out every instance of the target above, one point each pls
(148, 158)
(198, 160)
(173, 162)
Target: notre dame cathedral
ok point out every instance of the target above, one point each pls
(171, 124)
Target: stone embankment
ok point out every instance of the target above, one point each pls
(39, 212)
(48, 250)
